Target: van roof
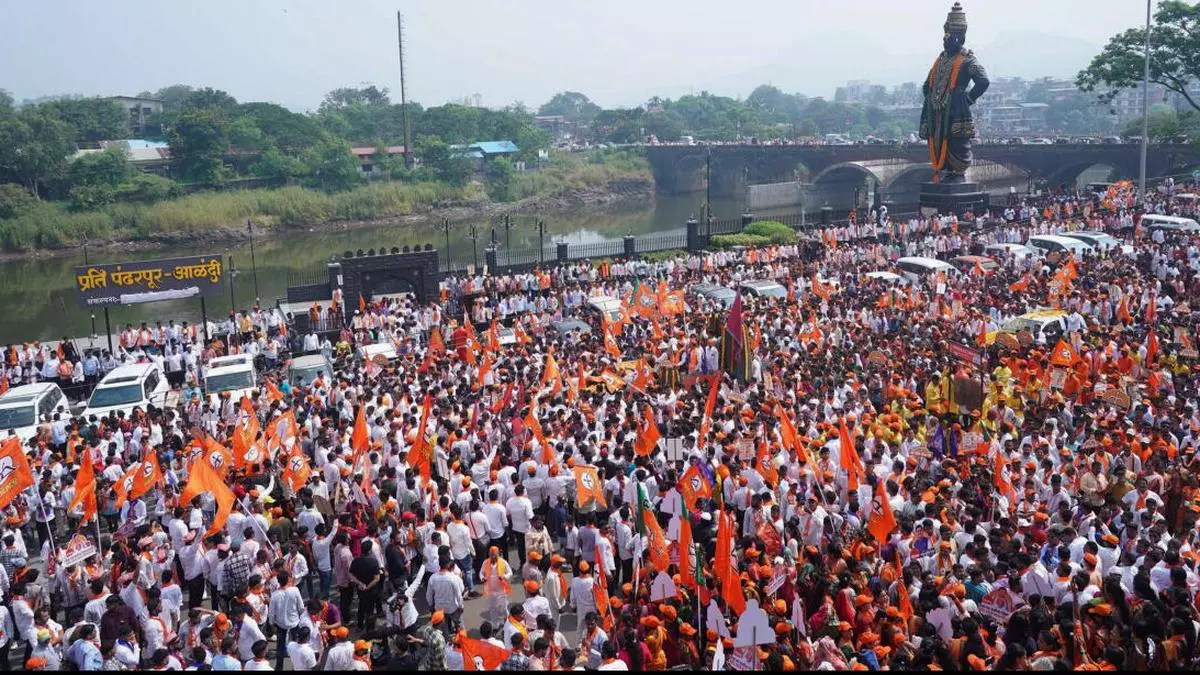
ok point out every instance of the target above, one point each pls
(1058, 239)
(603, 302)
(226, 370)
(309, 361)
(26, 392)
(931, 263)
(129, 373)
(1042, 314)
(1168, 219)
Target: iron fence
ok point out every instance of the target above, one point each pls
(603, 249)
(660, 242)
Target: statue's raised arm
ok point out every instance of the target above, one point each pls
(954, 83)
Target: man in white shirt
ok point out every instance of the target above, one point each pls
(285, 610)
(445, 593)
(248, 631)
(520, 513)
(497, 517)
(462, 549)
(300, 651)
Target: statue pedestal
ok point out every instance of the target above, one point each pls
(956, 198)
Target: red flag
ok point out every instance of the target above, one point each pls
(648, 436)
(504, 401)
(881, 521)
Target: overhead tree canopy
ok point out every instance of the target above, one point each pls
(1174, 55)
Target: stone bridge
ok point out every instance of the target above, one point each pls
(680, 169)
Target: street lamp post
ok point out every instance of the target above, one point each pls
(446, 229)
(507, 229)
(474, 244)
(1145, 110)
(233, 272)
(253, 263)
(88, 262)
(541, 228)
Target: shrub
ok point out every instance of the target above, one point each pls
(775, 231)
(739, 239)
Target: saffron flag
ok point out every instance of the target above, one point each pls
(1123, 314)
(85, 490)
(273, 393)
(687, 564)
(645, 301)
(710, 406)
(551, 375)
(535, 427)
(1002, 483)
(600, 593)
(484, 369)
(903, 601)
(420, 456)
(437, 345)
(125, 485)
(722, 559)
(493, 338)
(149, 475)
(504, 401)
(693, 485)
(648, 436)
(490, 656)
(848, 456)
(588, 487)
(1063, 355)
(1022, 285)
(1151, 347)
(610, 340)
(764, 463)
(735, 348)
(296, 470)
(1151, 310)
(204, 479)
(881, 521)
(787, 430)
(656, 541)
(359, 440)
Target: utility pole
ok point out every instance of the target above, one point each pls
(1145, 110)
(403, 97)
(708, 191)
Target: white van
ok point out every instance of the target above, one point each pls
(1154, 221)
(233, 374)
(22, 408)
(385, 349)
(917, 269)
(1055, 243)
(134, 386)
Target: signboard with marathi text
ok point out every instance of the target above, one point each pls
(139, 281)
(969, 356)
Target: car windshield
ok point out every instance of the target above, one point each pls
(773, 292)
(215, 384)
(17, 416)
(126, 394)
(1019, 324)
(302, 376)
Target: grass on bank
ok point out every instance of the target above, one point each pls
(51, 225)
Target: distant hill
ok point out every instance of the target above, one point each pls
(1031, 54)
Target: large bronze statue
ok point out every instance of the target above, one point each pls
(946, 118)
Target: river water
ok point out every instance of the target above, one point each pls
(38, 300)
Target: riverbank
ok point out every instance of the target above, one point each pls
(568, 183)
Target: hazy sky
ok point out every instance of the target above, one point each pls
(619, 52)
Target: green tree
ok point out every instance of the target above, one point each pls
(288, 131)
(454, 124)
(108, 167)
(209, 99)
(446, 165)
(275, 164)
(244, 135)
(500, 172)
(91, 119)
(574, 106)
(1174, 56)
(172, 96)
(34, 146)
(345, 97)
(330, 165)
(1164, 124)
(15, 201)
(199, 140)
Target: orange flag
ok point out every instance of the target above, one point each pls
(787, 430)
(1123, 314)
(437, 346)
(420, 456)
(71, 442)
(493, 337)
(710, 405)
(484, 369)
(693, 485)
(519, 333)
(1002, 482)
(648, 435)
(124, 486)
(731, 591)
(982, 338)
(359, 440)
(362, 303)
(722, 561)
(643, 377)
(85, 490)
(531, 421)
(551, 374)
(600, 593)
(296, 471)
(765, 465)
(1063, 355)
(491, 655)
(1020, 286)
(904, 602)
(217, 456)
(148, 476)
(687, 572)
(588, 486)
(273, 392)
(881, 521)
(1151, 347)
(204, 479)
(610, 341)
(848, 456)
(1152, 310)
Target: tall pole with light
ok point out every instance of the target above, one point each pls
(1145, 110)
(253, 263)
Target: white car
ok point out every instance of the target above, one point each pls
(1053, 243)
(385, 349)
(230, 374)
(1016, 251)
(764, 289)
(1101, 241)
(303, 370)
(890, 277)
(22, 408)
(139, 385)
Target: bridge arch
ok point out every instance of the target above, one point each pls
(904, 187)
(1071, 174)
(841, 184)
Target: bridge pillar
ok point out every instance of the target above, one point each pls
(489, 258)
(956, 198)
(630, 242)
(562, 251)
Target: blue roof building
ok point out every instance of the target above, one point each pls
(492, 148)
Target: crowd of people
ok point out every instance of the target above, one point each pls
(817, 481)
